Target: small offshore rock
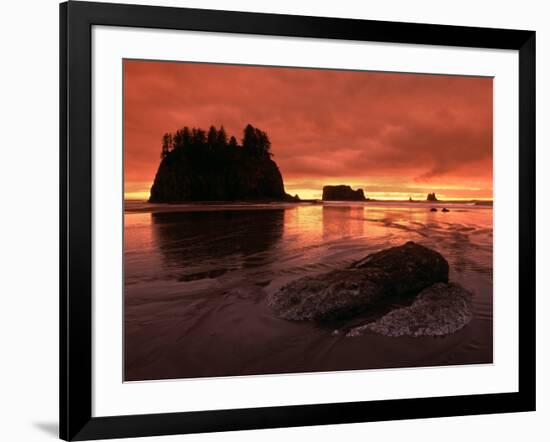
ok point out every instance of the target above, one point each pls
(397, 271)
(342, 193)
(439, 310)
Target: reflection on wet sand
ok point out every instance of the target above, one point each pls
(223, 240)
(347, 221)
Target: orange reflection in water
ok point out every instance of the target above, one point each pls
(316, 232)
(137, 231)
(308, 237)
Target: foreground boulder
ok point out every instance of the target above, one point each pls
(398, 271)
(439, 310)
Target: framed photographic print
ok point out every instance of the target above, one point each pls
(272, 220)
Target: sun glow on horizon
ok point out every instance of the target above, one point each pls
(455, 194)
(136, 195)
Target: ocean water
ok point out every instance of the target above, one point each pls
(197, 278)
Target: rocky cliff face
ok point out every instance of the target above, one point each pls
(222, 175)
(342, 193)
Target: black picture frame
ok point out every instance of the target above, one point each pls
(76, 21)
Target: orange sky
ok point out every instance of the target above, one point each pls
(394, 135)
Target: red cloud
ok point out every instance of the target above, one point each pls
(363, 127)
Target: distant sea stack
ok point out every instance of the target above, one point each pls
(342, 193)
(207, 166)
(431, 197)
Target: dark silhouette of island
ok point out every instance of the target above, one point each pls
(210, 166)
(431, 197)
(342, 193)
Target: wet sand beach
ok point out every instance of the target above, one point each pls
(197, 280)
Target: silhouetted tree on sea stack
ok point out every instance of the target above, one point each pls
(249, 137)
(221, 140)
(186, 136)
(212, 138)
(255, 142)
(167, 145)
(198, 137)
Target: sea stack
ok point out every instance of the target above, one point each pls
(431, 197)
(342, 193)
(205, 166)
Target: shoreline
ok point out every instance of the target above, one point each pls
(311, 201)
(143, 206)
